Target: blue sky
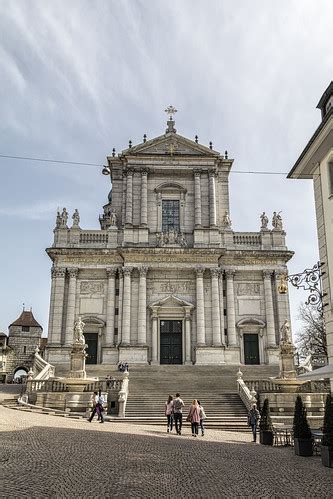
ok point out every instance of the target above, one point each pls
(81, 77)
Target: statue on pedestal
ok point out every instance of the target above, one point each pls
(264, 221)
(277, 221)
(113, 219)
(285, 332)
(226, 221)
(76, 218)
(78, 331)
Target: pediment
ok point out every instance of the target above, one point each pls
(170, 144)
(171, 301)
(250, 321)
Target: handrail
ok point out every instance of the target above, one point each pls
(41, 368)
(248, 396)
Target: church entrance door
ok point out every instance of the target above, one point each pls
(171, 342)
(91, 341)
(251, 349)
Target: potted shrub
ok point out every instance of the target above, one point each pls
(266, 427)
(302, 432)
(327, 441)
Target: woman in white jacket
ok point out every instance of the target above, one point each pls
(202, 418)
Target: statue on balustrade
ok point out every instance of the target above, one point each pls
(76, 218)
(226, 221)
(264, 221)
(277, 221)
(113, 218)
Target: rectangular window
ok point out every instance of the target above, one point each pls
(24, 349)
(330, 177)
(170, 215)
(25, 329)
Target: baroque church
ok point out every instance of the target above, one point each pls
(167, 279)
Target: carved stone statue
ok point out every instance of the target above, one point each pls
(64, 219)
(76, 218)
(277, 221)
(113, 218)
(226, 221)
(285, 332)
(182, 240)
(264, 221)
(78, 331)
(58, 220)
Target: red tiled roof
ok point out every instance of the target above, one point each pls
(26, 319)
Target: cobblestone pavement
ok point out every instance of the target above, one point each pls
(45, 456)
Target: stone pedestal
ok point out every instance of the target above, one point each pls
(287, 362)
(78, 361)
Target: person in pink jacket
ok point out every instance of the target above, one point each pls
(194, 417)
(169, 413)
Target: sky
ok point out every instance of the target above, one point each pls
(81, 77)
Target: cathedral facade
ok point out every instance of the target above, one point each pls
(166, 279)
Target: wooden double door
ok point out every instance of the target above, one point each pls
(171, 343)
(251, 349)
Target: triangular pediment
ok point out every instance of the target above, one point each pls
(171, 301)
(170, 144)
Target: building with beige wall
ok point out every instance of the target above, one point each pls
(316, 162)
(166, 279)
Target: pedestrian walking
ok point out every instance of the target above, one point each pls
(202, 418)
(100, 408)
(194, 417)
(169, 413)
(94, 400)
(253, 419)
(178, 405)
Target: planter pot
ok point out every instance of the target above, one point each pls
(303, 447)
(327, 456)
(266, 437)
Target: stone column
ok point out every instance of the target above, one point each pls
(231, 319)
(197, 198)
(126, 322)
(142, 312)
(216, 325)
(282, 301)
(154, 342)
(123, 209)
(221, 307)
(201, 340)
(58, 308)
(269, 308)
(70, 318)
(144, 197)
(129, 198)
(188, 337)
(120, 306)
(51, 311)
(212, 199)
(110, 307)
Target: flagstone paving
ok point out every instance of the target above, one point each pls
(45, 456)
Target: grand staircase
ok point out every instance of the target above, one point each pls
(214, 386)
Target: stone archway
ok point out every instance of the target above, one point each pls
(251, 328)
(171, 308)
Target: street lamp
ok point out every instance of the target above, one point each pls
(106, 170)
(309, 280)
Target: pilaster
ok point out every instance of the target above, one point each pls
(144, 198)
(197, 199)
(71, 301)
(110, 306)
(215, 307)
(59, 291)
(129, 198)
(201, 340)
(142, 312)
(231, 319)
(212, 199)
(126, 322)
(271, 342)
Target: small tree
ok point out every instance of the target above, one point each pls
(265, 418)
(301, 426)
(328, 422)
(311, 340)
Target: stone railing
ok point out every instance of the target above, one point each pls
(41, 369)
(263, 385)
(104, 385)
(248, 396)
(93, 237)
(268, 386)
(122, 396)
(247, 238)
(45, 385)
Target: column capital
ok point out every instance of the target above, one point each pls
(73, 272)
(127, 270)
(230, 273)
(144, 172)
(59, 272)
(212, 173)
(197, 173)
(111, 271)
(199, 271)
(129, 172)
(267, 274)
(143, 271)
(215, 272)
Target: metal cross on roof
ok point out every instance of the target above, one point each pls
(170, 110)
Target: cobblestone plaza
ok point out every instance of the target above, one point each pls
(50, 456)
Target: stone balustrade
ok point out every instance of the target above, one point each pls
(247, 238)
(41, 368)
(93, 237)
(248, 396)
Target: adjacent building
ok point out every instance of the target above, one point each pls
(316, 162)
(166, 279)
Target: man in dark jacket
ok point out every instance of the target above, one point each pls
(253, 419)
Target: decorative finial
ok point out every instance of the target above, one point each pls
(210, 145)
(23, 305)
(170, 110)
(113, 152)
(144, 138)
(226, 154)
(196, 139)
(129, 144)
